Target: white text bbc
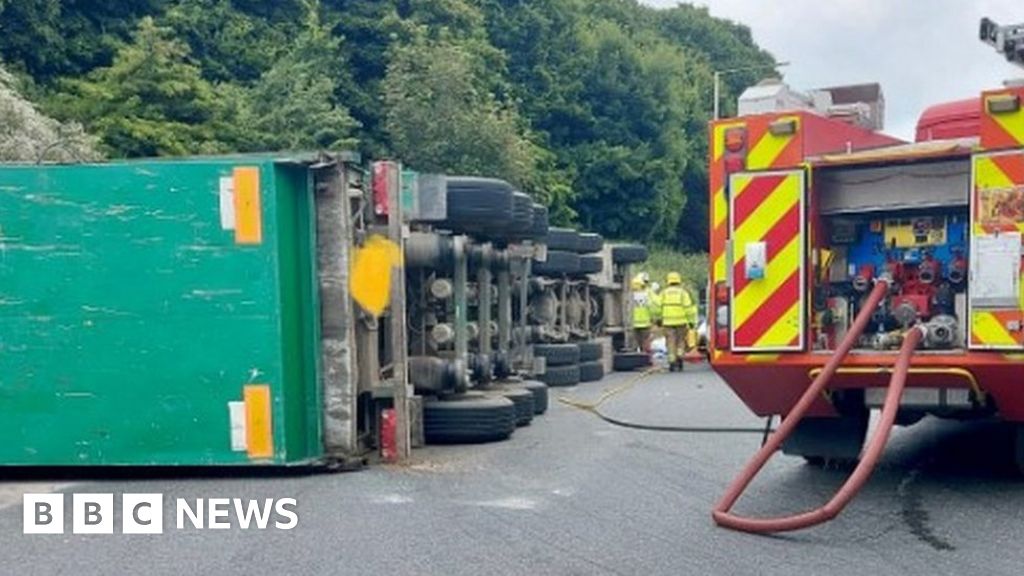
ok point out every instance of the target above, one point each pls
(143, 513)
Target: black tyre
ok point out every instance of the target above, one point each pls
(558, 354)
(591, 371)
(565, 239)
(467, 419)
(521, 398)
(630, 361)
(590, 351)
(479, 205)
(539, 229)
(540, 395)
(521, 223)
(629, 254)
(557, 264)
(561, 376)
(591, 264)
(589, 243)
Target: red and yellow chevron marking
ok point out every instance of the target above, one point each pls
(994, 329)
(767, 313)
(1002, 130)
(771, 152)
(718, 202)
(998, 193)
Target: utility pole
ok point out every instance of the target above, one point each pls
(720, 73)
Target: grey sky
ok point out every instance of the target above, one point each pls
(922, 51)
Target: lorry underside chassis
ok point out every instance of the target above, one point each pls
(802, 233)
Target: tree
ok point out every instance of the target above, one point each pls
(440, 117)
(152, 101)
(26, 135)
(293, 105)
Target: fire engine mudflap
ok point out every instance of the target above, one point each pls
(855, 265)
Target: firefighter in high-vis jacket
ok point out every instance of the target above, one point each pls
(678, 317)
(645, 308)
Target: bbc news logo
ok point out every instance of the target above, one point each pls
(144, 513)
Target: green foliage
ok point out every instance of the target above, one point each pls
(440, 117)
(152, 101)
(598, 108)
(692, 266)
(292, 106)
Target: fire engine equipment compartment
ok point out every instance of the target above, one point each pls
(908, 223)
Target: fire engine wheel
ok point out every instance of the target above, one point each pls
(540, 395)
(589, 243)
(557, 264)
(559, 376)
(468, 418)
(1018, 448)
(520, 397)
(558, 354)
(590, 351)
(564, 239)
(630, 361)
(591, 264)
(828, 441)
(591, 372)
(629, 254)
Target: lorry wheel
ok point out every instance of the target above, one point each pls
(828, 440)
(589, 243)
(591, 264)
(557, 264)
(558, 376)
(476, 204)
(468, 418)
(564, 239)
(558, 354)
(630, 361)
(590, 351)
(591, 372)
(540, 395)
(520, 225)
(539, 229)
(521, 398)
(629, 254)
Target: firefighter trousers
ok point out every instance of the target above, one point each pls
(675, 341)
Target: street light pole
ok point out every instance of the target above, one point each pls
(720, 73)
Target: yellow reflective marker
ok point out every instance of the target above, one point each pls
(370, 280)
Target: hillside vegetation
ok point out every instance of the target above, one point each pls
(598, 107)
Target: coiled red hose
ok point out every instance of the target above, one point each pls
(869, 457)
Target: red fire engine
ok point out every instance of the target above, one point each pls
(837, 250)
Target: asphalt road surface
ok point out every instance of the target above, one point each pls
(574, 495)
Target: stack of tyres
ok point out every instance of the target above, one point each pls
(562, 364)
(591, 367)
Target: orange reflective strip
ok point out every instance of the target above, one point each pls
(259, 432)
(248, 208)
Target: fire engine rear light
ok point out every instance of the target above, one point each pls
(735, 139)
(722, 338)
(782, 127)
(1003, 104)
(721, 293)
(735, 164)
(722, 316)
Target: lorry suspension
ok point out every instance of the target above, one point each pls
(869, 457)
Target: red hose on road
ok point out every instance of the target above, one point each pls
(869, 457)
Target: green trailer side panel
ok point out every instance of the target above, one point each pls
(130, 318)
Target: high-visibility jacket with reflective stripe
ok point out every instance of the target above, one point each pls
(677, 307)
(644, 303)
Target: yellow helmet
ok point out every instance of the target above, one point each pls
(674, 279)
(637, 283)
